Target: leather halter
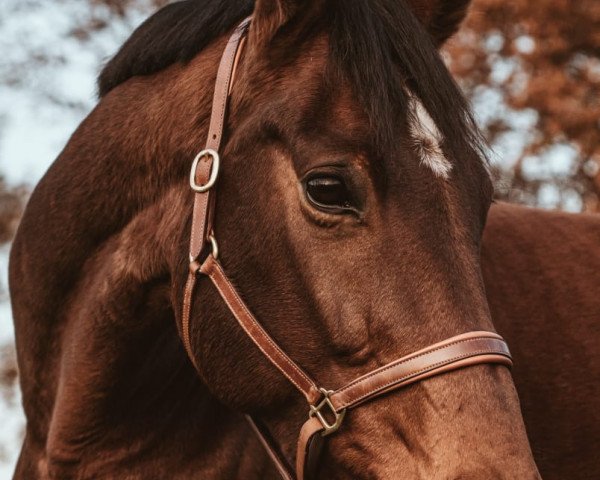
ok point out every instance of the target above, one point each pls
(327, 408)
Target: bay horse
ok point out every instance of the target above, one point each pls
(542, 273)
(352, 200)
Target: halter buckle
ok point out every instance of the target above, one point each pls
(214, 245)
(214, 172)
(315, 411)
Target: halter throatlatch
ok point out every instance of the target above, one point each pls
(326, 408)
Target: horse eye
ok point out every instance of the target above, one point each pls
(328, 192)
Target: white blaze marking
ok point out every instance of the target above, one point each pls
(427, 140)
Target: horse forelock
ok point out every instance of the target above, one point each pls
(379, 46)
(176, 33)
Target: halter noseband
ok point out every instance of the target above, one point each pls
(327, 408)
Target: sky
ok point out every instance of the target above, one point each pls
(47, 86)
(47, 77)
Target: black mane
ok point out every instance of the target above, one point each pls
(378, 45)
(176, 33)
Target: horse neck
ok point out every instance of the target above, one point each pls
(125, 385)
(119, 380)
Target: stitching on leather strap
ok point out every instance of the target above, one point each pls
(193, 253)
(215, 266)
(416, 373)
(187, 309)
(411, 358)
(231, 53)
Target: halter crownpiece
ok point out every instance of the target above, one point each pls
(327, 408)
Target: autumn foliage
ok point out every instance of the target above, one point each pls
(540, 56)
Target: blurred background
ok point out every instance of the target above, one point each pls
(531, 70)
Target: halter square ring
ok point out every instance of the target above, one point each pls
(214, 172)
(315, 411)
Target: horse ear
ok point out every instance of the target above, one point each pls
(269, 16)
(442, 18)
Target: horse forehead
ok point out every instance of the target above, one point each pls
(337, 111)
(425, 138)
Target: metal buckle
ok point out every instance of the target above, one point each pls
(214, 248)
(214, 245)
(214, 173)
(315, 411)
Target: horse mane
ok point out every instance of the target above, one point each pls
(176, 33)
(377, 45)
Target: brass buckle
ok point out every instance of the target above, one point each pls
(214, 173)
(315, 411)
(214, 250)
(214, 245)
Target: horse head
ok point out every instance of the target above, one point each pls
(352, 196)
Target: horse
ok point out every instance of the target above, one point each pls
(542, 271)
(353, 195)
